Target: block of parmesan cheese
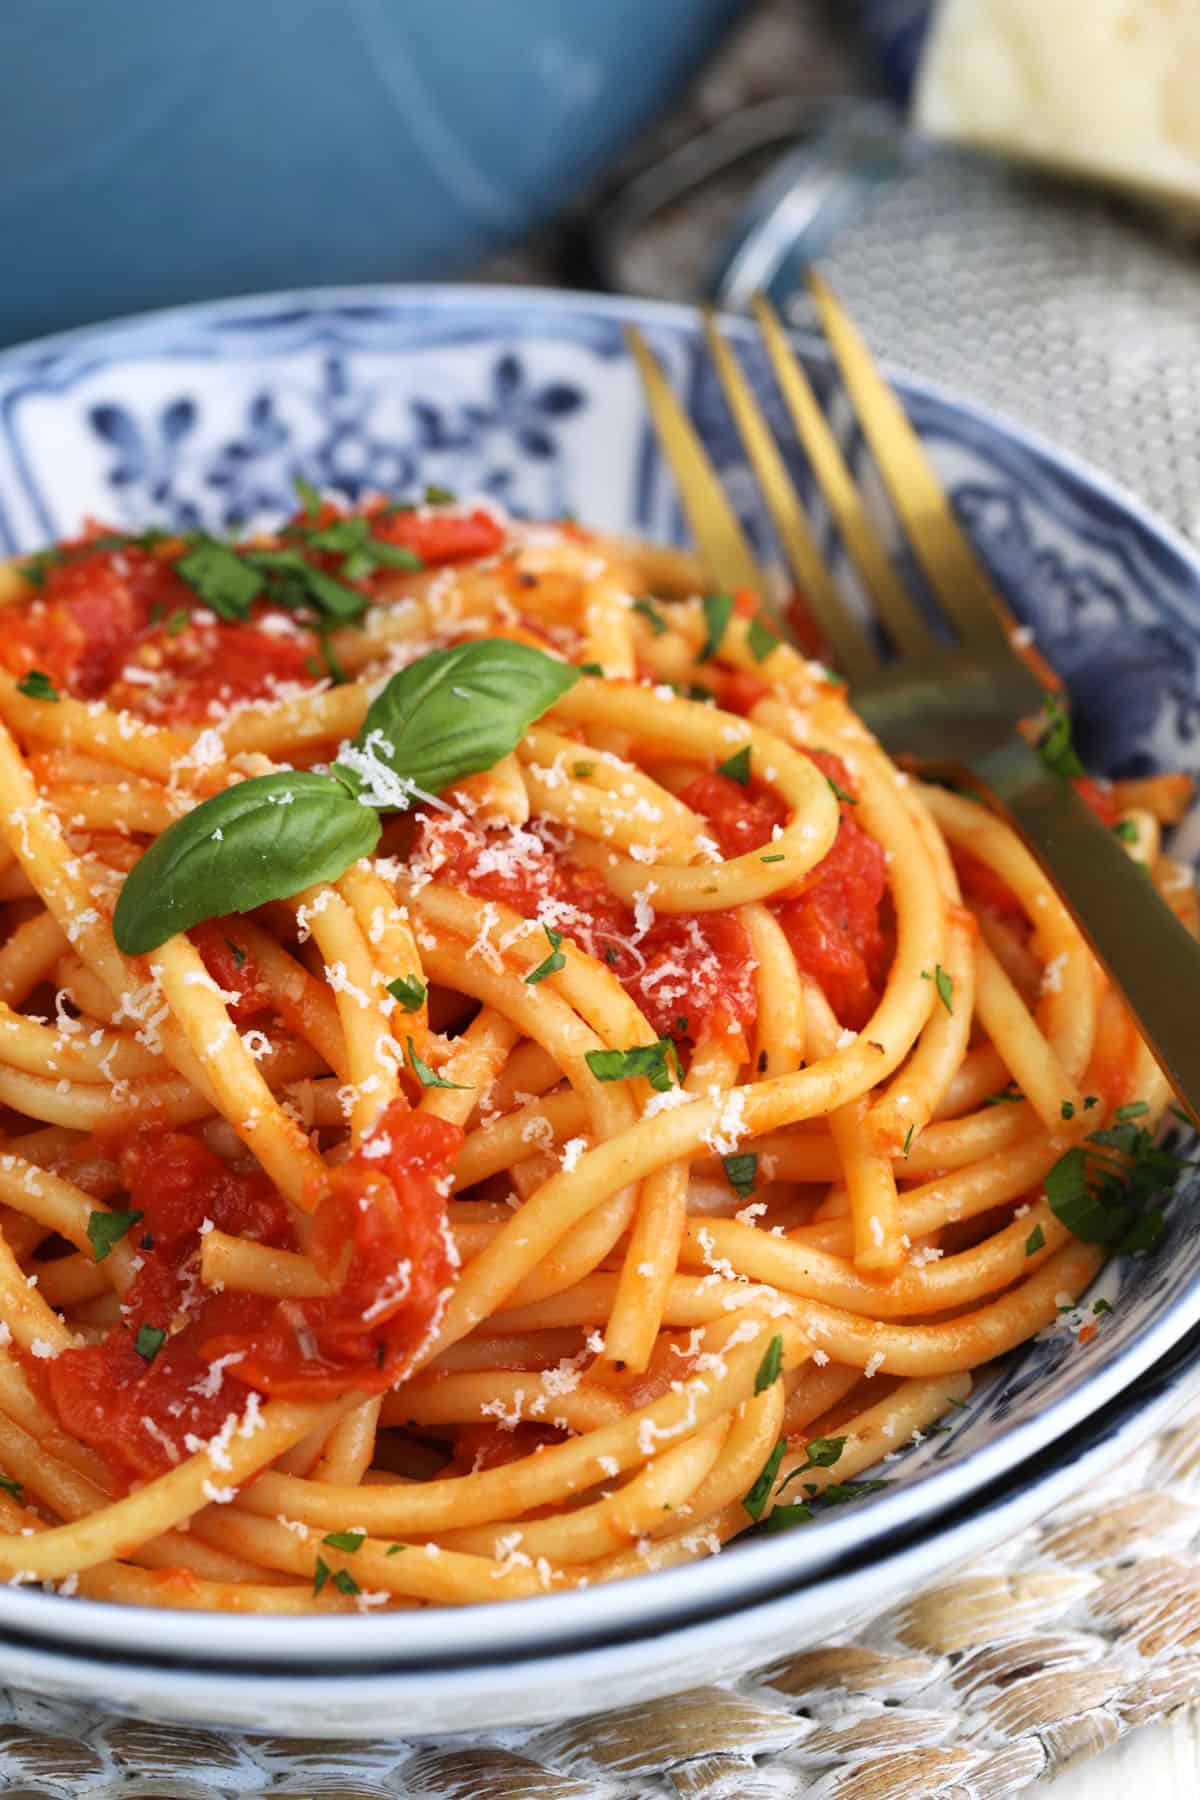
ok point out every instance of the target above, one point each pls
(1107, 88)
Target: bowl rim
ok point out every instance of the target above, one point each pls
(663, 1601)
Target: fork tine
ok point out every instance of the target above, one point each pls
(849, 644)
(955, 573)
(713, 521)
(828, 465)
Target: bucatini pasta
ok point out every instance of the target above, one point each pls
(505, 1084)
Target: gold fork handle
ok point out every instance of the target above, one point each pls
(1153, 959)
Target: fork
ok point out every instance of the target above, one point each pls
(967, 707)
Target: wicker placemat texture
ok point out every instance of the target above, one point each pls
(1044, 1653)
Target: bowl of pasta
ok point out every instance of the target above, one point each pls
(497, 1104)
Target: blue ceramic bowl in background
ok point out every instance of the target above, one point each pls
(159, 152)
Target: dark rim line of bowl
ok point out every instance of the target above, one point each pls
(733, 1579)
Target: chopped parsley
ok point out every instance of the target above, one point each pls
(1126, 830)
(1067, 1109)
(718, 610)
(223, 581)
(149, 1341)
(583, 771)
(651, 614)
(550, 964)
(1035, 1241)
(822, 1453)
(12, 1486)
(650, 1060)
(395, 1549)
(436, 495)
(756, 1499)
(37, 685)
(778, 857)
(106, 1229)
(760, 639)
(591, 668)
(409, 991)
(908, 1137)
(1099, 1307)
(308, 496)
(425, 1074)
(1054, 746)
(737, 766)
(1106, 1190)
(741, 1171)
(1009, 1097)
(771, 1366)
(342, 1579)
(839, 793)
(944, 984)
(349, 1541)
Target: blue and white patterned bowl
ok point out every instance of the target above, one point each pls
(206, 415)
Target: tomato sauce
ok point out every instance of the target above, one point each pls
(380, 1235)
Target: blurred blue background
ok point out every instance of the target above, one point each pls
(164, 150)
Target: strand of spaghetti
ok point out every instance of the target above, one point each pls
(387, 929)
(126, 808)
(304, 1004)
(756, 1427)
(556, 1471)
(604, 611)
(166, 1501)
(19, 1403)
(350, 1446)
(245, 1267)
(871, 1186)
(180, 1588)
(70, 1281)
(609, 1524)
(32, 1324)
(885, 1427)
(538, 1350)
(478, 1056)
(28, 955)
(605, 796)
(658, 1228)
(495, 796)
(363, 1002)
(1030, 1060)
(508, 1397)
(939, 1286)
(817, 1390)
(233, 1076)
(497, 1144)
(87, 725)
(529, 1070)
(67, 1049)
(63, 1208)
(979, 1076)
(779, 1025)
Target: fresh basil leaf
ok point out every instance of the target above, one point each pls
(741, 1170)
(149, 1341)
(296, 583)
(106, 1229)
(718, 610)
(409, 991)
(771, 1365)
(552, 963)
(222, 579)
(262, 840)
(454, 712)
(37, 685)
(755, 1501)
(648, 1060)
(737, 766)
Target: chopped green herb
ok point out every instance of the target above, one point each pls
(1035, 1241)
(409, 991)
(1126, 830)
(37, 685)
(10, 1486)
(583, 771)
(395, 1549)
(784, 1516)
(1106, 1191)
(840, 793)
(106, 1229)
(1067, 1109)
(178, 622)
(649, 1060)
(350, 1541)
(1136, 1109)
(333, 667)
(1054, 746)
(760, 639)
(591, 668)
(695, 690)
(681, 1024)
(944, 984)
(149, 1341)
(610, 957)
(308, 496)
(552, 963)
(1089, 1100)
(770, 1367)
(822, 1453)
(439, 496)
(756, 1499)
(425, 1074)
(651, 614)
(737, 766)
(908, 1137)
(718, 610)
(221, 578)
(778, 857)
(741, 1172)
(1009, 1097)
(840, 1493)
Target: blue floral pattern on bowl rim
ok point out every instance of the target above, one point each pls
(206, 415)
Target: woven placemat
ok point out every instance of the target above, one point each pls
(1041, 1654)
